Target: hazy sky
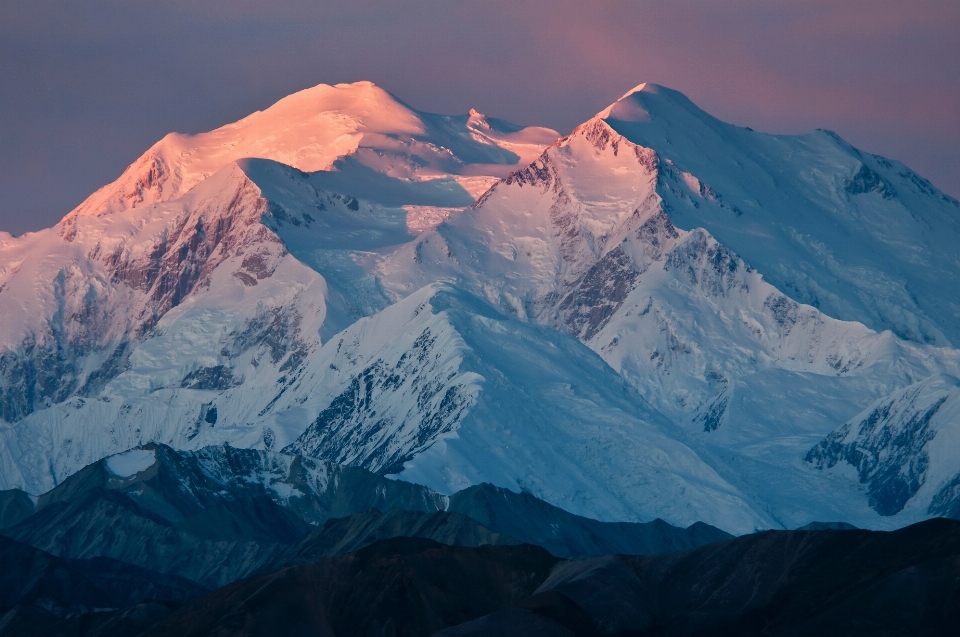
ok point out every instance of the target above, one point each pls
(86, 87)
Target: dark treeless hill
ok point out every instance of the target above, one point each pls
(213, 515)
(15, 505)
(44, 594)
(796, 583)
(401, 586)
(564, 534)
(347, 535)
(790, 583)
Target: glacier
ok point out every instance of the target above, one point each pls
(657, 315)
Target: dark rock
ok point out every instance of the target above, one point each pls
(888, 452)
(866, 180)
(349, 430)
(827, 526)
(206, 515)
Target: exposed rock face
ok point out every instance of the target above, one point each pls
(119, 288)
(890, 446)
(656, 316)
(866, 180)
(220, 513)
(359, 426)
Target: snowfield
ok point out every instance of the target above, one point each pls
(658, 315)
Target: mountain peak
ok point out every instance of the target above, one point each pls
(339, 96)
(314, 129)
(640, 88)
(637, 104)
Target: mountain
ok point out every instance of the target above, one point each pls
(220, 514)
(858, 236)
(44, 594)
(178, 245)
(467, 395)
(403, 586)
(585, 241)
(485, 514)
(338, 129)
(825, 582)
(902, 449)
(350, 534)
(657, 316)
(773, 583)
(15, 505)
(566, 535)
(212, 516)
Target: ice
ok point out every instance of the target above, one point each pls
(656, 316)
(130, 463)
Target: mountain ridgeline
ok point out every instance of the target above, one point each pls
(127, 540)
(657, 316)
(220, 513)
(227, 541)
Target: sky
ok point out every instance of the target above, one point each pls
(86, 87)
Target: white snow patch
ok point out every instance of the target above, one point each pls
(130, 463)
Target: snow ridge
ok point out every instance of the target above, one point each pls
(658, 315)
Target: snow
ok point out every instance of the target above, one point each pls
(659, 315)
(717, 350)
(314, 129)
(130, 463)
(542, 413)
(878, 252)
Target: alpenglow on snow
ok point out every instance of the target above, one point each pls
(659, 315)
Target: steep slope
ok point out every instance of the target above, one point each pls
(904, 449)
(213, 515)
(220, 513)
(15, 505)
(166, 322)
(86, 293)
(289, 301)
(534, 521)
(42, 594)
(312, 129)
(583, 241)
(772, 583)
(442, 390)
(348, 535)
(858, 236)
(175, 275)
(404, 586)
(30, 576)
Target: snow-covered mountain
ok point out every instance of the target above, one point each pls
(354, 130)
(903, 448)
(858, 236)
(659, 315)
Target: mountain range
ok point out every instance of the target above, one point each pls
(117, 547)
(657, 316)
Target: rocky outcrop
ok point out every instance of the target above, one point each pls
(890, 446)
